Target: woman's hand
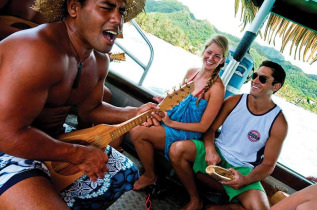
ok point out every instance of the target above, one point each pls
(166, 119)
(156, 115)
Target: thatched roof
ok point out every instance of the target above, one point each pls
(291, 21)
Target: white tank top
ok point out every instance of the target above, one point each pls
(244, 134)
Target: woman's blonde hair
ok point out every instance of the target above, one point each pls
(222, 42)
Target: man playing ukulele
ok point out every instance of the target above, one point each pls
(43, 72)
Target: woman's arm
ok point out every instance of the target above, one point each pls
(216, 97)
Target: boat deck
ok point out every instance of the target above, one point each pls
(171, 197)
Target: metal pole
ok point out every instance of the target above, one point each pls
(247, 40)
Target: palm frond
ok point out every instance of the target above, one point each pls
(303, 41)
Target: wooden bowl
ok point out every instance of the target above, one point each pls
(277, 197)
(219, 173)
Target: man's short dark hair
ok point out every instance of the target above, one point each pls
(278, 71)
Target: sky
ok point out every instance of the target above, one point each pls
(221, 15)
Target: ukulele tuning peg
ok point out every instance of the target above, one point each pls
(180, 87)
(174, 90)
(168, 94)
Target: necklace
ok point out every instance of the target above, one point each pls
(80, 67)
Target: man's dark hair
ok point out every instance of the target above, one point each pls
(278, 71)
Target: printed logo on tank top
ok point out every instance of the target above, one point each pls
(254, 136)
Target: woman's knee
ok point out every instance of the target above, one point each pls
(177, 151)
(136, 134)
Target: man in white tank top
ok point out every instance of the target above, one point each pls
(252, 133)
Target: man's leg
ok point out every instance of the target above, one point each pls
(251, 199)
(32, 193)
(254, 199)
(210, 182)
(182, 155)
(85, 194)
(145, 140)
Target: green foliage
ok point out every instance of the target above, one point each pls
(165, 6)
(173, 15)
(271, 53)
(161, 26)
(171, 21)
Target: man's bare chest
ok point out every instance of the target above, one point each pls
(73, 88)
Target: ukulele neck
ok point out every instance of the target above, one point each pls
(128, 125)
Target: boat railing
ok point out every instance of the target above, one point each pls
(146, 66)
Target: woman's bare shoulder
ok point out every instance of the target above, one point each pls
(191, 73)
(217, 86)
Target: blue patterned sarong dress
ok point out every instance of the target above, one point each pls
(83, 193)
(186, 112)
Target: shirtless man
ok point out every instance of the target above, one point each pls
(28, 18)
(252, 134)
(43, 72)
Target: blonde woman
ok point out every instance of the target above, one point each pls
(191, 117)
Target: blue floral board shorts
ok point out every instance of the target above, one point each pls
(83, 193)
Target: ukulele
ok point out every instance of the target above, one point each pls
(117, 56)
(62, 173)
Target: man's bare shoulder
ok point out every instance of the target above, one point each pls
(37, 49)
(229, 104)
(103, 61)
(232, 100)
(280, 123)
